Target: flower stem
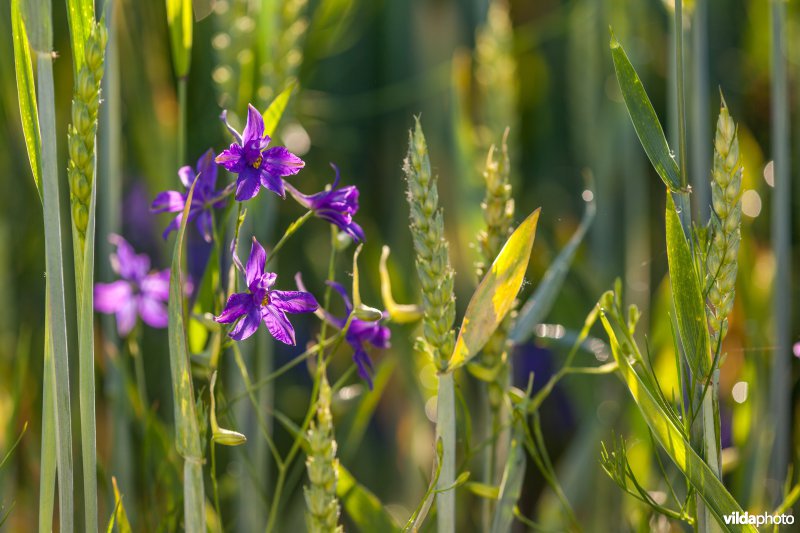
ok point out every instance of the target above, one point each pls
(181, 148)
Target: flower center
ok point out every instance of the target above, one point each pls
(265, 300)
(257, 162)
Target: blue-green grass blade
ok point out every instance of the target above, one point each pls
(718, 500)
(26, 93)
(644, 118)
(687, 295)
(54, 255)
(86, 378)
(47, 465)
(187, 437)
(511, 482)
(541, 301)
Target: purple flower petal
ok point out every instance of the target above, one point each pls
(126, 316)
(224, 118)
(279, 161)
(156, 285)
(293, 301)
(254, 128)
(186, 175)
(273, 183)
(207, 171)
(248, 184)
(278, 325)
(238, 304)
(204, 225)
(348, 306)
(232, 159)
(153, 312)
(363, 364)
(247, 325)
(255, 263)
(168, 202)
(110, 297)
(126, 262)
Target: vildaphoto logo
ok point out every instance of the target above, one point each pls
(762, 519)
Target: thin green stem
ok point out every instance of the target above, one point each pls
(291, 230)
(682, 154)
(181, 148)
(214, 484)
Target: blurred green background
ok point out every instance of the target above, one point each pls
(365, 68)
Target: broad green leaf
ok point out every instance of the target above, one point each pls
(711, 490)
(687, 296)
(179, 21)
(511, 483)
(541, 301)
(495, 295)
(187, 437)
(26, 93)
(272, 116)
(80, 14)
(644, 118)
(362, 506)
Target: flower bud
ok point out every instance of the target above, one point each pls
(226, 437)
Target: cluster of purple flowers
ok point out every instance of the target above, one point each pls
(142, 293)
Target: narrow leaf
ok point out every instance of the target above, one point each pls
(511, 483)
(362, 506)
(495, 295)
(47, 473)
(179, 20)
(187, 437)
(644, 118)
(120, 516)
(272, 116)
(26, 92)
(541, 301)
(711, 490)
(686, 295)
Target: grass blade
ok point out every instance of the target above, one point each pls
(47, 475)
(26, 93)
(541, 301)
(687, 296)
(272, 116)
(179, 20)
(187, 438)
(644, 118)
(495, 295)
(54, 254)
(511, 483)
(80, 14)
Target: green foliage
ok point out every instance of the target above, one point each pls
(179, 21)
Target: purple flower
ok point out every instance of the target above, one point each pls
(359, 333)
(140, 291)
(257, 165)
(261, 303)
(337, 206)
(204, 199)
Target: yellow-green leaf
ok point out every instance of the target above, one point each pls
(179, 20)
(362, 506)
(495, 295)
(272, 116)
(119, 517)
(26, 92)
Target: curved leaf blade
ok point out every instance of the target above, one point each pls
(362, 506)
(495, 295)
(541, 301)
(644, 118)
(26, 93)
(179, 20)
(272, 116)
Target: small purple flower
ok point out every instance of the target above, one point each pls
(359, 333)
(140, 292)
(257, 165)
(204, 199)
(261, 303)
(337, 206)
